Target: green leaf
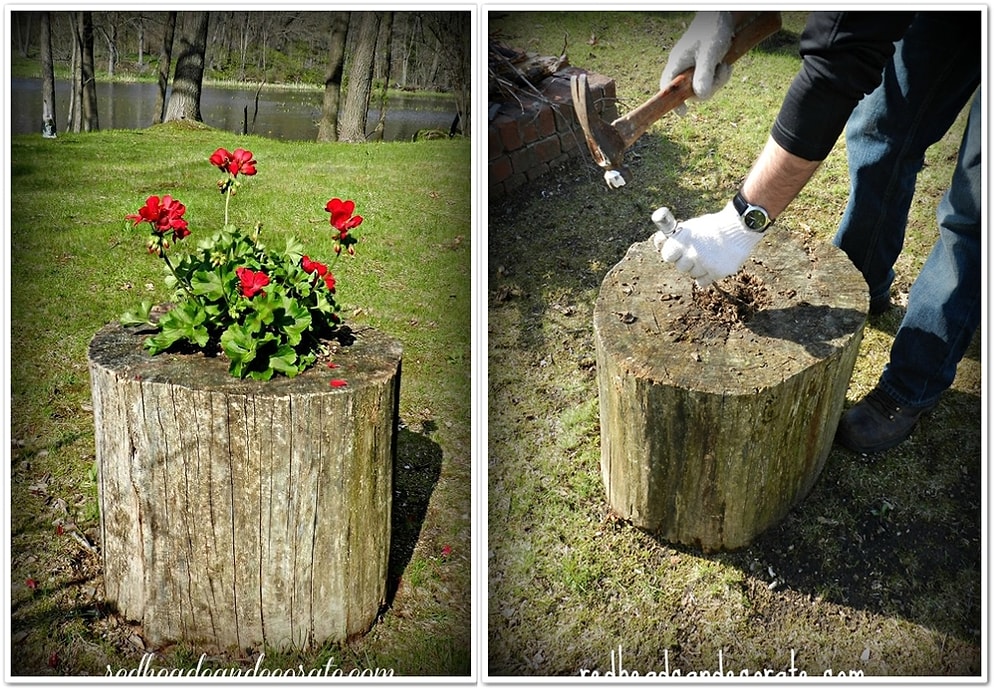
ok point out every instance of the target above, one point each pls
(240, 347)
(207, 283)
(185, 322)
(285, 360)
(292, 320)
(294, 249)
(138, 317)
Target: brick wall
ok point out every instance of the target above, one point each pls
(529, 136)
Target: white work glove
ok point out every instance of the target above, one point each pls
(709, 247)
(702, 46)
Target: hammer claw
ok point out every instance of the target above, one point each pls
(604, 143)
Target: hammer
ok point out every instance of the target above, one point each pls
(608, 142)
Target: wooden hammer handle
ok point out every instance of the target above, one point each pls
(753, 29)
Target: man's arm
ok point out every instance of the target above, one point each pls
(776, 178)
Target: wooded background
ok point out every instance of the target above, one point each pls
(342, 51)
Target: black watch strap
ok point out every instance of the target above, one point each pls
(755, 217)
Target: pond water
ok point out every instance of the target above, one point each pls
(288, 114)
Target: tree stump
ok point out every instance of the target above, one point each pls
(236, 512)
(718, 407)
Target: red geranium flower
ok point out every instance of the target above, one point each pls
(312, 266)
(330, 282)
(234, 162)
(242, 162)
(342, 218)
(164, 215)
(220, 159)
(252, 281)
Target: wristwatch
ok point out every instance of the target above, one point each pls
(754, 217)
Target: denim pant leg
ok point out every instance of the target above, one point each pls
(922, 92)
(944, 309)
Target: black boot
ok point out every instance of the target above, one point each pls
(877, 423)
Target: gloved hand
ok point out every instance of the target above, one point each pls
(709, 247)
(703, 46)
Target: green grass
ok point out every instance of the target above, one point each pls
(77, 265)
(878, 570)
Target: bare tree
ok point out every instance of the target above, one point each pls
(327, 128)
(188, 76)
(23, 32)
(382, 67)
(452, 33)
(165, 58)
(48, 78)
(353, 118)
(83, 102)
(110, 34)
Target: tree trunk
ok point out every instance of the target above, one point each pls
(185, 98)
(83, 99)
(238, 513)
(23, 35)
(718, 408)
(141, 40)
(48, 78)
(353, 117)
(165, 59)
(74, 117)
(88, 82)
(111, 39)
(327, 126)
(383, 68)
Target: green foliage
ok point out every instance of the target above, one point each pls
(267, 310)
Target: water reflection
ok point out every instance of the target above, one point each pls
(289, 114)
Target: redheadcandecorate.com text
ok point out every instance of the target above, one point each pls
(617, 670)
(146, 669)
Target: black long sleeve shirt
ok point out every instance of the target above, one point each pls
(843, 56)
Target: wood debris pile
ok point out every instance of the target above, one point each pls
(512, 72)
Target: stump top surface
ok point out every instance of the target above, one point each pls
(649, 319)
(371, 359)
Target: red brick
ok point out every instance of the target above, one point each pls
(494, 143)
(528, 128)
(499, 169)
(547, 149)
(566, 119)
(571, 141)
(545, 122)
(508, 130)
(523, 160)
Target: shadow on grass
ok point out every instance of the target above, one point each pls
(897, 533)
(417, 466)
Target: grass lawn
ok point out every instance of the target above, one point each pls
(75, 265)
(878, 571)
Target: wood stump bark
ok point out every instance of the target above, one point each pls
(718, 407)
(236, 512)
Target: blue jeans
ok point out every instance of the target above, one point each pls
(922, 93)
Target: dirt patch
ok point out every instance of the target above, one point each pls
(732, 301)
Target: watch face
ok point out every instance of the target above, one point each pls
(755, 219)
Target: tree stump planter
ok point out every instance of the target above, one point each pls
(236, 512)
(718, 409)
